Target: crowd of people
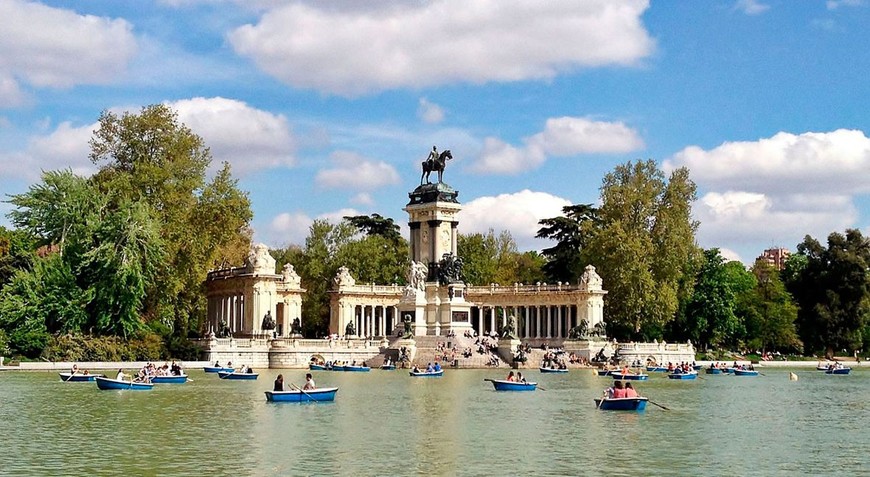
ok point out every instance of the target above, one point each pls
(149, 371)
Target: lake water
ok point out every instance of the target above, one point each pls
(386, 423)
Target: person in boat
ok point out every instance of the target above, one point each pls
(437, 367)
(387, 361)
(511, 377)
(521, 378)
(309, 383)
(121, 375)
(86, 372)
(229, 364)
(243, 369)
(217, 364)
(415, 369)
(175, 369)
(618, 390)
(429, 368)
(250, 370)
(625, 370)
(74, 369)
(279, 383)
(630, 391)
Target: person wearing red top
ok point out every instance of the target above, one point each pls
(629, 391)
(618, 390)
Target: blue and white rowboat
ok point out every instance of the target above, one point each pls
(630, 376)
(241, 376)
(838, 371)
(424, 374)
(745, 372)
(553, 370)
(622, 404)
(106, 383)
(691, 375)
(388, 367)
(218, 369)
(169, 379)
(315, 395)
(79, 377)
(357, 369)
(502, 385)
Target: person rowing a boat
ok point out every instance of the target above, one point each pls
(520, 378)
(122, 375)
(74, 369)
(309, 383)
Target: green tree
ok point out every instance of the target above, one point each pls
(489, 258)
(375, 259)
(571, 232)
(771, 321)
(643, 244)
(376, 225)
(833, 291)
(709, 315)
(153, 158)
(317, 267)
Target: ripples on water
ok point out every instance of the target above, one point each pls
(385, 423)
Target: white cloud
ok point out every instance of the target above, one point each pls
(751, 7)
(729, 255)
(835, 4)
(248, 138)
(288, 229)
(356, 172)
(777, 190)
(65, 147)
(363, 198)
(518, 213)
(337, 216)
(755, 220)
(53, 47)
(10, 92)
(565, 136)
(430, 112)
(499, 157)
(354, 48)
(785, 163)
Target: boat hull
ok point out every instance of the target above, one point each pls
(745, 372)
(682, 376)
(169, 379)
(838, 371)
(336, 368)
(239, 376)
(317, 367)
(622, 404)
(552, 370)
(357, 369)
(388, 367)
(604, 372)
(80, 378)
(715, 371)
(111, 384)
(502, 385)
(218, 369)
(432, 374)
(657, 369)
(630, 377)
(315, 395)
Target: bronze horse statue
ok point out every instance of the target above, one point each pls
(435, 165)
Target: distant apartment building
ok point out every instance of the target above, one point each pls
(775, 257)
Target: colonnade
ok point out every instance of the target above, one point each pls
(374, 320)
(533, 321)
(229, 309)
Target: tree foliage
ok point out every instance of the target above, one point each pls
(375, 225)
(832, 289)
(571, 232)
(644, 246)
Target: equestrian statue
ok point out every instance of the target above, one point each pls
(435, 163)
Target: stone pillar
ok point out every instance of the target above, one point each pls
(559, 333)
(537, 321)
(492, 318)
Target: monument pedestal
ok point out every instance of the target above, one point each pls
(507, 347)
(410, 348)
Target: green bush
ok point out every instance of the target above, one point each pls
(29, 343)
(4, 344)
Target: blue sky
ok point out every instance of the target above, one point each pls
(327, 108)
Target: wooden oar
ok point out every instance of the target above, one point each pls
(659, 405)
(303, 391)
(70, 376)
